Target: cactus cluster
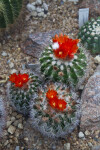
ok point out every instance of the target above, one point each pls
(9, 11)
(90, 35)
(63, 61)
(20, 94)
(2, 116)
(54, 112)
(53, 105)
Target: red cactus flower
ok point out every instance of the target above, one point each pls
(25, 78)
(13, 77)
(18, 83)
(67, 47)
(51, 94)
(53, 102)
(19, 79)
(61, 104)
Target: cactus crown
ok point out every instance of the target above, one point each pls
(90, 35)
(21, 90)
(53, 111)
(9, 11)
(63, 60)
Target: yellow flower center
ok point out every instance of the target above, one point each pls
(60, 105)
(60, 53)
(54, 104)
(51, 96)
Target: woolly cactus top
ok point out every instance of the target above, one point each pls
(54, 111)
(63, 60)
(90, 35)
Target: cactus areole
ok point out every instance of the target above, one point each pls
(63, 60)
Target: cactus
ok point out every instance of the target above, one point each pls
(63, 60)
(90, 35)
(2, 116)
(54, 111)
(20, 93)
(9, 11)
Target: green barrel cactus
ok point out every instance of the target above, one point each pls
(67, 68)
(19, 93)
(90, 35)
(2, 116)
(9, 11)
(55, 111)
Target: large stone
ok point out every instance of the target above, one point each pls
(91, 102)
(36, 43)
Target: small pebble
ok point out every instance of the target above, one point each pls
(81, 135)
(67, 146)
(4, 54)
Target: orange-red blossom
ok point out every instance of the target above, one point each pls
(67, 47)
(19, 80)
(54, 101)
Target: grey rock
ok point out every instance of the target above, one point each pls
(97, 59)
(31, 7)
(34, 13)
(11, 129)
(17, 148)
(39, 2)
(37, 42)
(9, 123)
(90, 144)
(33, 66)
(11, 65)
(41, 14)
(67, 146)
(81, 135)
(87, 133)
(91, 103)
(4, 54)
(39, 10)
(20, 126)
(23, 66)
(96, 147)
(45, 6)
(13, 71)
(34, 3)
